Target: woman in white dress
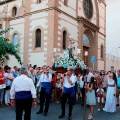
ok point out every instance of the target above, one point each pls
(110, 105)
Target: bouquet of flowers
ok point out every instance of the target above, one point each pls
(69, 62)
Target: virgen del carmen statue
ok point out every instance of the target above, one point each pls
(70, 60)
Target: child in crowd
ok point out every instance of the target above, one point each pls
(100, 97)
(58, 90)
(91, 100)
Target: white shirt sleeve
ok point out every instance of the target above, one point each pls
(38, 84)
(97, 91)
(12, 91)
(6, 74)
(103, 90)
(44, 78)
(33, 90)
(73, 79)
(50, 78)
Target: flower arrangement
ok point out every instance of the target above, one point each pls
(69, 62)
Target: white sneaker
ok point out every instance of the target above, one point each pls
(23, 112)
(98, 109)
(90, 117)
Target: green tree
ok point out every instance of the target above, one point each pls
(7, 48)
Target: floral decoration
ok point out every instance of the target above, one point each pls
(69, 62)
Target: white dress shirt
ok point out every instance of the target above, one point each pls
(22, 83)
(44, 78)
(81, 82)
(89, 76)
(8, 81)
(66, 84)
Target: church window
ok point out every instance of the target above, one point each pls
(88, 8)
(64, 39)
(0, 28)
(38, 38)
(85, 40)
(15, 40)
(65, 2)
(102, 51)
(38, 1)
(14, 12)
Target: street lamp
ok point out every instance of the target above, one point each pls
(118, 52)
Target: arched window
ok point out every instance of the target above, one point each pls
(88, 8)
(64, 39)
(65, 2)
(38, 38)
(102, 51)
(85, 39)
(0, 29)
(38, 1)
(14, 12)
(15, 40)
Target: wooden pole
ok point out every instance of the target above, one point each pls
(85, 104)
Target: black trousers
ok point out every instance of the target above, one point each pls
(44, 98)
(64, 98)
(25, 105)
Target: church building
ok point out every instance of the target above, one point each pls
(41, 26)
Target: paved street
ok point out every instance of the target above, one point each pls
(7, 113)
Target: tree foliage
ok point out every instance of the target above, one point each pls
(7, 48)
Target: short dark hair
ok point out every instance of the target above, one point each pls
(34, 66)
(8, 68)
(15, 67)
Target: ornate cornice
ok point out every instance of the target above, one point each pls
(88, 23)
(6, 1)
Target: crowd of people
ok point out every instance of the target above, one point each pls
(90, 86)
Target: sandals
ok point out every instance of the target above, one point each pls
(90, 117)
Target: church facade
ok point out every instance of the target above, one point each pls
(41, 26)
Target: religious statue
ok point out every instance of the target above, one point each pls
(71, 49)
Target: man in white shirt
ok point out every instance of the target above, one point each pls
(68, 92)
(45, 94)
(22, 94)
(89, 75)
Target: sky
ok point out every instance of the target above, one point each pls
(113, 27)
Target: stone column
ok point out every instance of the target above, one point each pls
(27, 4)
(80, 38)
